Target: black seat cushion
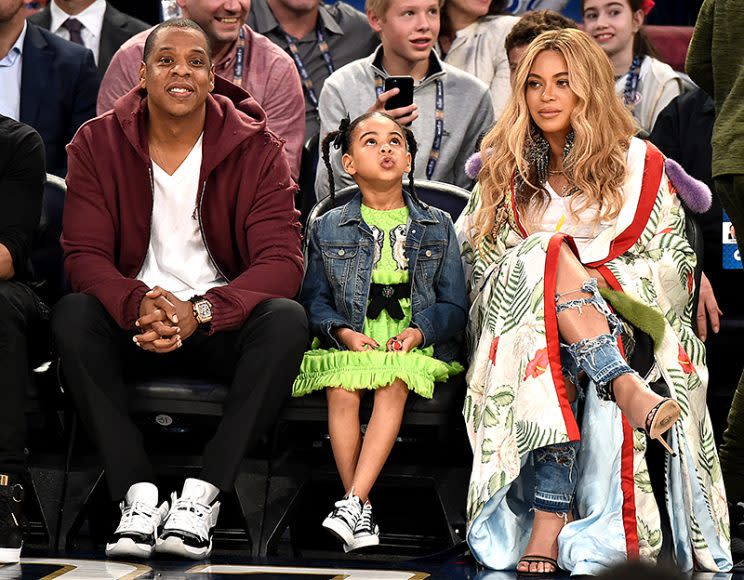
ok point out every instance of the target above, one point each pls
(180, 389)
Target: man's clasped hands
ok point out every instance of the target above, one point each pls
(164, 321)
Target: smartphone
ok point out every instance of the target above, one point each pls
(404, 97)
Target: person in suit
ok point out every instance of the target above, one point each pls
(48, 83)
(94, 24)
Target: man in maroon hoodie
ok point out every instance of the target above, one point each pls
(182, 244)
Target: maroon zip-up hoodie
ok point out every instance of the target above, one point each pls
(245, 207)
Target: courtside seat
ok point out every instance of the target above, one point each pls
(305, 199)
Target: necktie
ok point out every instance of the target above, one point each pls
(74, 26)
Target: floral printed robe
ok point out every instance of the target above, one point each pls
(516, 399)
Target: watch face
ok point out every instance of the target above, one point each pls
(203, 311)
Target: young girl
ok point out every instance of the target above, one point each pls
(472, 39)
(645, 84)
(385, 292)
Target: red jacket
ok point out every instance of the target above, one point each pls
(245, 205)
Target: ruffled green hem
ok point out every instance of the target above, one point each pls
(371, 370)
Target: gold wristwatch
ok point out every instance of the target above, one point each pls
(202, 310)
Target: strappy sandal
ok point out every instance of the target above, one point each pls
(532, 559)
(660, 419)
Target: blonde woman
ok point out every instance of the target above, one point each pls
(568, 202)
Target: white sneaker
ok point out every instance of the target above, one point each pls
(366, 532)
(188, 529)
(342, 521)
(137, 531)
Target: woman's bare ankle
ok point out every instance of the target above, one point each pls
(634, 398)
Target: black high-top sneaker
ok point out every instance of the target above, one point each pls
(342, 521)
(366, 531)
(12, 523)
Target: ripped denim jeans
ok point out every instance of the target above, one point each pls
(555, 477)
(599, 357)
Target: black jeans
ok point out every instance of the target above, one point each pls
(260, 361)
(22, 316)
(730, 190)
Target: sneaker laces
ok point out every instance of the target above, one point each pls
(138, 517)
(348, 508)
(365, 521)
(190, 516)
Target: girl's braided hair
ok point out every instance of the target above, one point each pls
(341, 139)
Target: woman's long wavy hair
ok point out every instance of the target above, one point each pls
(603, 127)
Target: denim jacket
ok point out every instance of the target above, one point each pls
(339, 273)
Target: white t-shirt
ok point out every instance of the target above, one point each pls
(177, 259)
(557, 218)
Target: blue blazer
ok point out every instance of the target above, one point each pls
(59, 87)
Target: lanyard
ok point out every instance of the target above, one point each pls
(438, 123)
(306, 80)
(631, 83)
(239, 58)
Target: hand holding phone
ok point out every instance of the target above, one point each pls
(397, 100)
(404, 98)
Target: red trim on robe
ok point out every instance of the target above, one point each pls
(653, 170)
(551, 332)
(627, 481)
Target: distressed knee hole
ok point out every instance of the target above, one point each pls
(559, 454)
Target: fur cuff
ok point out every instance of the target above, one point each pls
(694, 193)
(474, 164)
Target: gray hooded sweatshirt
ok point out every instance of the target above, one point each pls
(468, 114)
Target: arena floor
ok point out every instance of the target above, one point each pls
(92, 566)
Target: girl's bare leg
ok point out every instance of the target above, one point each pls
(344, 430)
(382, 430)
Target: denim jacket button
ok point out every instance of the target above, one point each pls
(341, 252)
(428, 253)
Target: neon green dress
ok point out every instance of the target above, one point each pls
(375, 368)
